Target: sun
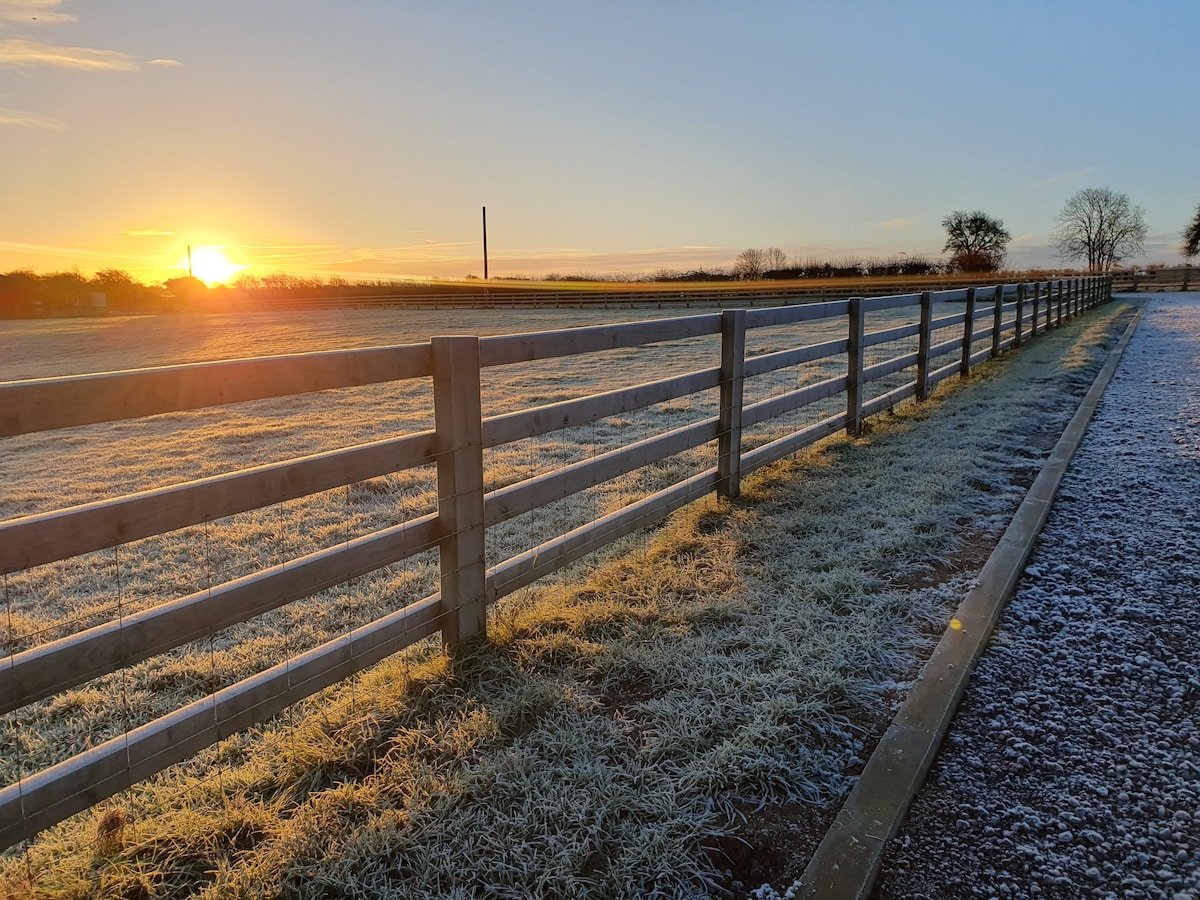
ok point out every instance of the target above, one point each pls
(211, 265)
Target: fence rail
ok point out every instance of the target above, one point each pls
(1180, 278)
(465, 509)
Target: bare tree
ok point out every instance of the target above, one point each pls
(975, 241)
(774, 259)
(750, 263)
(1191, 237)
(1101, 226)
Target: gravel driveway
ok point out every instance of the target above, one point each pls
(1073, 766)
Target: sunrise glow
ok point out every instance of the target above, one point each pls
(211, 265)
(126, 135)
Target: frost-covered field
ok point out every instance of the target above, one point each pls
(47, 471)
(616, 726)
(1073, 767)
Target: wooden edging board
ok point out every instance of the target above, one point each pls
(848, 859)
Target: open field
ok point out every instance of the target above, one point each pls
(690, 584)
(50, 470)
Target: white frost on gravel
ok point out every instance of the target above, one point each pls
(1073, 766)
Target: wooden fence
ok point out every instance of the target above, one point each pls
(992, 319)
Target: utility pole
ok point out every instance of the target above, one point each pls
(485, 271)
(189, 260)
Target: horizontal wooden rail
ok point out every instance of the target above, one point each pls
(534, 493)
(46, 404)
(781, 404)
(782, 359)
(943, 372)
(945, 347)
(37, 673)
(48, 797)
(793, 443)
(899, 333)
(516, 348)
(980, 356)
(948, 321)
(951, 296)
(550, 556)
(794, 315)
(888, 367)
(515, 426)
(889, 399)
(34, 540)
(899, 301)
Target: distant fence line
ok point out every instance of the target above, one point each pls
(498, 295)
(1182, 278)
(993, 319)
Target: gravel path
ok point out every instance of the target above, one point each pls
(1073, 766)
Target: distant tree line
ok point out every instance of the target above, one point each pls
(752, 264)
(24, 293)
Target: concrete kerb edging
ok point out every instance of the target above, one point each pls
(847, 861)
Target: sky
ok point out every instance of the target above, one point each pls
(362, 138)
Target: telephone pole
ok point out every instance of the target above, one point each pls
(485, 271)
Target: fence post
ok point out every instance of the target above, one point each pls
(964, 366)
(1059, 303)
(1037, 287)
(1020, 323)
(997, 320)
(1049, 303)
(458, 421)
(854, 368)
(733, 368)
(924, 339)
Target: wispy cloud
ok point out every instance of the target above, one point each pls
(18, 53)
(432, 259)
(427, 251)
(27, 11)
(73, 252)
(897, 224)
(15, 119)
(285, 254)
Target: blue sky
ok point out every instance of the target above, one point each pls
(362, 138)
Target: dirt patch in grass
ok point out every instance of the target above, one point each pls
(774, 844)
